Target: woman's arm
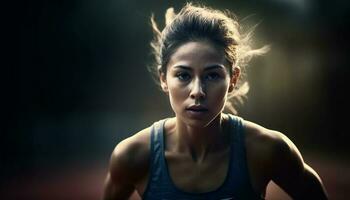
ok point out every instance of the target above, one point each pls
(116, 189)
(128, 166)
(119, 181)
(293, 175)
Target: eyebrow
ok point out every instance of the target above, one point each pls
(210, 67)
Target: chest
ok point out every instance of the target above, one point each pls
(192, 177)
(198, 177)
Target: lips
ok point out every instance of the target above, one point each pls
(197, 112)
(197, 108)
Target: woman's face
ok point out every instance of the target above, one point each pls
(197, 82)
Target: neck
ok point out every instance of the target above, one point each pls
(199, 141)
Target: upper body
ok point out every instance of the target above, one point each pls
(270, 156)
(200, 54)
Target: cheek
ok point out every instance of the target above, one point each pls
(177, 94)
(218, 92)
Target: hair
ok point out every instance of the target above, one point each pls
(200, 23)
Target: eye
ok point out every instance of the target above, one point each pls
(212, 76)
(183, 76)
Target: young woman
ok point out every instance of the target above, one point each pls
(203, 153)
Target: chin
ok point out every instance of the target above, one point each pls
(199, 122)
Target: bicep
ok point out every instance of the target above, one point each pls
(119, 183)
(128, 165)
(313, 183)
(294, 176)
(115, 189)
(300, 186)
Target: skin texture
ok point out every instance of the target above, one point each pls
(197, 74)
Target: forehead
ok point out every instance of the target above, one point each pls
(197, 54)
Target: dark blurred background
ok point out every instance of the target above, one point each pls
(79, 84)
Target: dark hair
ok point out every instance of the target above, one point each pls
(198, 23)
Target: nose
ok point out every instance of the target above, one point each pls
(197, 90)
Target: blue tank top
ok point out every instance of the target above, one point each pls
(236, 186)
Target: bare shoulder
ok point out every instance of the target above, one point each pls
(270, 154)
(130, 158)
(270, 144)
(267, 150)
(273, 156)
(128, 166)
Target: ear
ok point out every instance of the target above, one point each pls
(163, 83)
(236, 72)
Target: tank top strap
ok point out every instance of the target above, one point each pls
(239, 168)
(237, 140)
(157, 149)
(158, 182)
